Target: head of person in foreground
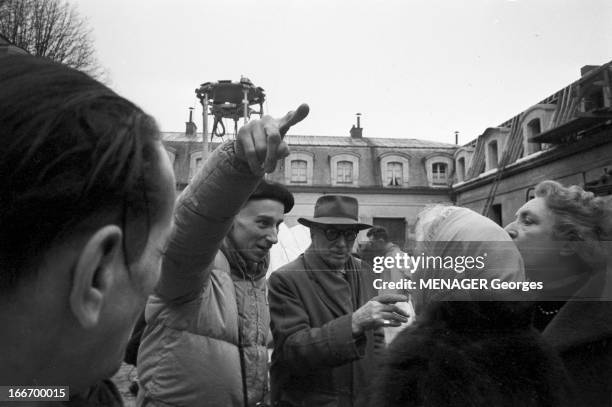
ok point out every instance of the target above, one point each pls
(86, 208)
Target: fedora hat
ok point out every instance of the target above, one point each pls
(335, 210)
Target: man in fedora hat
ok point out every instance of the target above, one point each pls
(324, 323)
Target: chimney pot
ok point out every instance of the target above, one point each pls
(190, 126)
(357, 132)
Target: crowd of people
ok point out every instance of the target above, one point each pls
(94, 238)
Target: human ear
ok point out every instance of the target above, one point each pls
(94, 273)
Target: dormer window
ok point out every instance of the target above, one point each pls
(299, 168)
(298, 171)
(439, 173)
(394, 170)
(461, 169)
(345, 170)
(534, 128)
(394, 174)
(438, 167)
(536, 120)
(492, 157)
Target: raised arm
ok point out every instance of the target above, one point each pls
(206, 208)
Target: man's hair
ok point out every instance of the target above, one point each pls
(74, 155)
(579, 216)
(378, 232)
(274, 191)
(471, 353)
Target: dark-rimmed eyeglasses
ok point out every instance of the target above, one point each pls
(334, 234)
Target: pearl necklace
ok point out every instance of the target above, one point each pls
(548, 313)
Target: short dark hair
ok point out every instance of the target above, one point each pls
(275, 191)
(73, 154)
(378, 232)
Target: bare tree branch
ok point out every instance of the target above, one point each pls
(52, 29)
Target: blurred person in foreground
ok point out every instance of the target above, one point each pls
(564, 237)
(86, 216)
(470, 350)
(325, 321)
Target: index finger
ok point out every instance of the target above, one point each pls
(292, 118)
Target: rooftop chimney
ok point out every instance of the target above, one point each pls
(357, 132)
(190, 126)
(456, 137)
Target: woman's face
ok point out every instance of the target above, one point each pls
(532, 231)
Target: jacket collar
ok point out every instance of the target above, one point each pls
(239, 267)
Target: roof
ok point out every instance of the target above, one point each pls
(335, 141)
(365, 142)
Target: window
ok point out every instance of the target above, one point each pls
(344, 172)
(438, 166)
(492, 156)
(439, 173)
(299, 168)
(394, 170)
(394, 173)
(533, 129)
(461, 169)
(344, 169)
(299, 172)
(536, 120)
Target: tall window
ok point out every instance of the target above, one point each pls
(438, 172)
(345, 172)
(533, 129)
(461, 169)
(394, 173)
(298, 171)
(492, 150)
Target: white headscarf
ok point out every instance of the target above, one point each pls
(454, 231)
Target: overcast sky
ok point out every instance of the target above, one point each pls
(414, 69)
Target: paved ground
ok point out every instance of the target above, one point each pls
(123, 379)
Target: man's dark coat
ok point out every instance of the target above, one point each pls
(316, 360)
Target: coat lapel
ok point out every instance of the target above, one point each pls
(332, 288)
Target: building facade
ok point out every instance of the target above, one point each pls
(392, 178)
(566, 137)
